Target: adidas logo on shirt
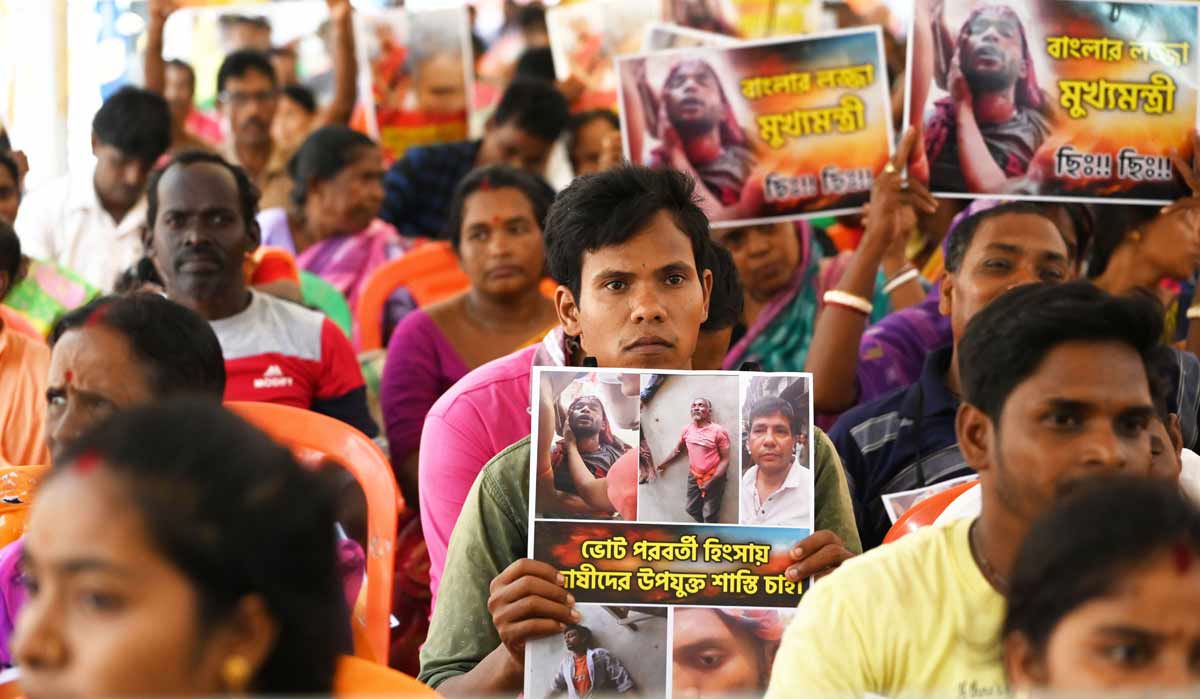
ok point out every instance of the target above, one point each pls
(273, 378)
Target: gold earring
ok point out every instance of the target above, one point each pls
(235, 671)
(1136, 236)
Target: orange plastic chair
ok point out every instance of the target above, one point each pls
(17, 484)
(429, 271)
(925, 512)
(356, 677)
(307, 432)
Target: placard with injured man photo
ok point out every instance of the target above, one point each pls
(1053, 100)
(772, 130)
(611, 652)
(640, 478)
(676, 551)
(587, 457)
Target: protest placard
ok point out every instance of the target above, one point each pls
(421, 77)
(415, 76)
(770, 130)
(670, 502)
(1053, 100)
(584, 38)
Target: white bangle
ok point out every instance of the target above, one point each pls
(901, 279)
(850, 301)
(1193, 313)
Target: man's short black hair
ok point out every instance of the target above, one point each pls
(535, 106)
(302, 96)
(185, 67)
(532, 17)
(536, 64)
(962, 235)
(242, 62)
(1006, 341)
(589, 639)
(726, 302)
(247, 192)
(610, 207)
(136, 122)
(772, 405)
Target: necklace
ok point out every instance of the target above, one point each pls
(990, 574)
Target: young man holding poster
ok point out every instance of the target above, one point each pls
(628, 247)
(1056, 388)
(707, 445)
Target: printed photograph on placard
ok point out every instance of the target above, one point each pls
(584, 38)
(897, 504)
(770, 131)
(203, 36)
(1053, 100)
(587, 463)
(679, 591)
(724, 652)
(777, 463)
(611, 652)
(661, 37)
(421, 77)
(690, 427)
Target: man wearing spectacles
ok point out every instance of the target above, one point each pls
(248, 91)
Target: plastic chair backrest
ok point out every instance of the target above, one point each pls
(430, 272)
(327, 299)
(925, 512)
(356, 677)
(306, 431)
(17, 485)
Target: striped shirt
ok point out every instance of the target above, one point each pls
(902, 441)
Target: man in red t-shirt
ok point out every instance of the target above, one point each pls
(708, 456)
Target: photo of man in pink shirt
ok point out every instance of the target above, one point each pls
(707, 446)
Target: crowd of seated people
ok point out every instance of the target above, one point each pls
(1041, 350)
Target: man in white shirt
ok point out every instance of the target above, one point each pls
(776, 490)
(91, 222)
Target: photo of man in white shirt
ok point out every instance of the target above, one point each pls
(776, 489)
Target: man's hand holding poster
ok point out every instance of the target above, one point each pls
(671, 505)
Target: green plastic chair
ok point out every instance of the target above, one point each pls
(323, 296)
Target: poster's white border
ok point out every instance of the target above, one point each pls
(715, 40)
